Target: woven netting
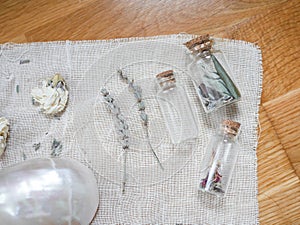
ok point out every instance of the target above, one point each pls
(87, 133)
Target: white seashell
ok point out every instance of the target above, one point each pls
(53, 191)
(52, 97)
(3, 134)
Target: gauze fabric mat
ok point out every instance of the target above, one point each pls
(86, 129)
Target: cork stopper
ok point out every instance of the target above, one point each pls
(231, 127)
(200, 44)
(165, 77)
(167, 73)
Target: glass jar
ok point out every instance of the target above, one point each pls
(219, 159)
(175, 108)
(210, 74)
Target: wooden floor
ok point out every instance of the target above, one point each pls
(273, 24)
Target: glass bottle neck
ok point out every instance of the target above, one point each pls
(166, 80)
(226, 133)
(196, 56)
(167, 85)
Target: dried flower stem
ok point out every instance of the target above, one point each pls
(137, 91)
(152, 150)
(36, 146)
(124, 172)
(56, 148)
(23, 61)
(24, 156)
(213, 180)
(121, 128)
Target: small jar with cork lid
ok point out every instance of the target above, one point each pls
(220, 158)
(211, 74)
(175, 108)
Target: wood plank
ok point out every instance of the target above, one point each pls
(18, 17)
(110, 19)
(276, 31)
(284, 114)
(278, 184)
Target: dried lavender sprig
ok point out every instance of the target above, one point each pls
(121, 128)
(137, 91)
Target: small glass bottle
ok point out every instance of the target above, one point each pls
(175, 108)
(219, 159)
(210, 74)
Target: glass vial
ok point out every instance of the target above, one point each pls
(210, 74)
(175, 108)
(219, 159)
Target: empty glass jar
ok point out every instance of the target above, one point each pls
(175, 108)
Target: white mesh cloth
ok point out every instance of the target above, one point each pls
(87, 133)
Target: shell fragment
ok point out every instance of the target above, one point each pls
(56, 191)
(3, 134)
(52, 97)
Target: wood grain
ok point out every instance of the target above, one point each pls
(278, 184)
(284, 114)
(272, 24)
